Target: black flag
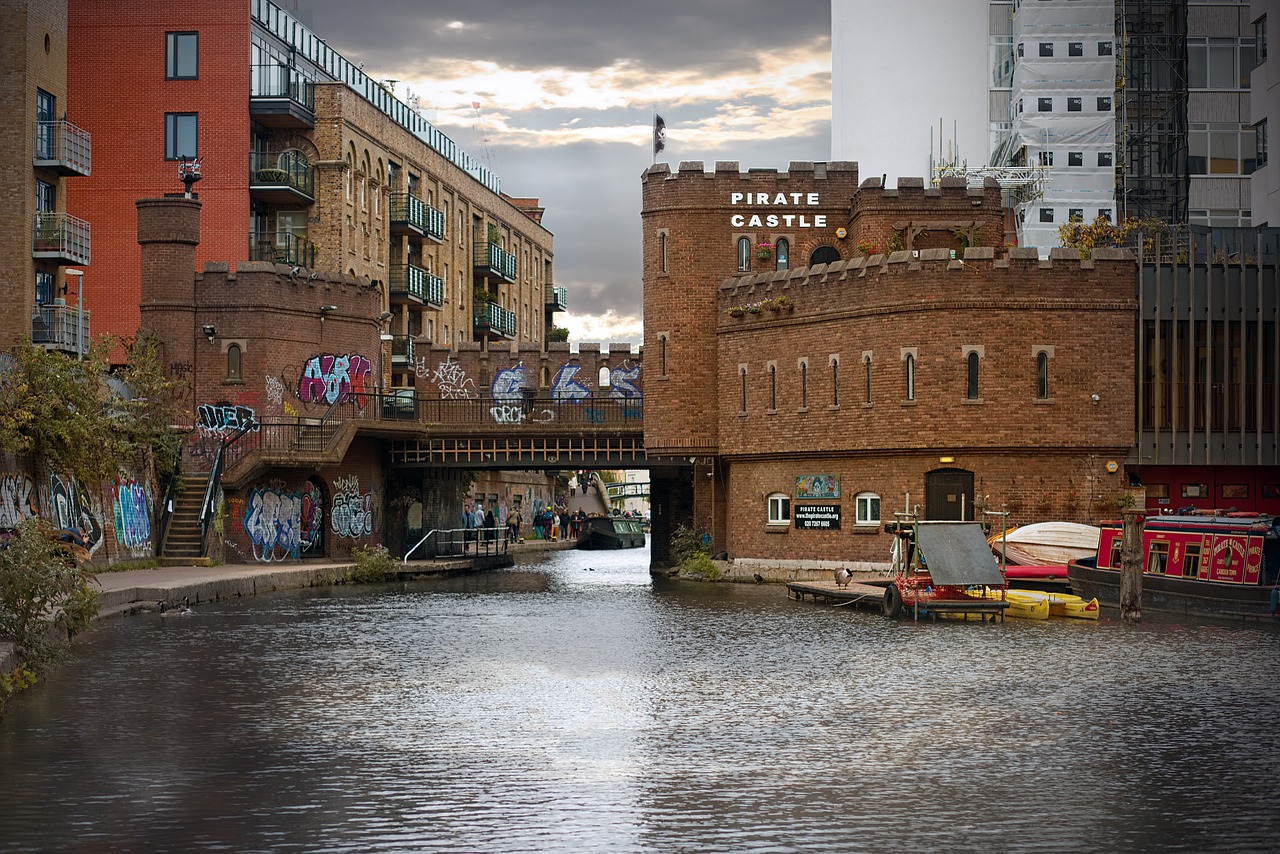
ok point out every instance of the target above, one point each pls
(659, 134)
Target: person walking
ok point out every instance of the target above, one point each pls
(467, 525)
(513, 524)
(555, 526)
(490, 528)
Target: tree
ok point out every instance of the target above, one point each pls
(557, 333)
(1102, 232)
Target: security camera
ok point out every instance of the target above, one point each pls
(1095, 399)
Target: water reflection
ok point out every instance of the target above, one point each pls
(575, 704)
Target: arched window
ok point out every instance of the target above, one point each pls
(971, 389)
(662, 247)
(866, 365)
(233, 362)
(835, 380)
(773, 386)
(782, 251)
(744, 254)
(545, 377)
(910, 362)
(779, 509)
(823, 255)
(742, 378)
(1042, 375)
(603, 379)
(804, 385)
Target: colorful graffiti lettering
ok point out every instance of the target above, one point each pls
(514, 414)
(352, 514)
(71, 510)
(132, 510)
(566, 389)
(17, 499)
(311, 516)
(334, 379)
(223, 419)
(623, 382)
(452, 382)
(508, 385)
(273, 522)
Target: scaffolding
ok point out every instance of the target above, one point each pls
(1152, 181)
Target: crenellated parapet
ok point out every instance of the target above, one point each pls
(932, 280)
(911, 216)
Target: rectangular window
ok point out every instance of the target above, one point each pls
(1046, 214)
(1105, 213)
(1260, 40)
(46, 135)
(1104, 48)
(1075, 215)
(779, 509)
(180, 132)
(1046, 48)
(868, 509)
(181, 56)
(1104, 158)
(1075, 158)
(46, 197)
(1075, 48)
(45, 283)
(1104, 103)
(1075, 105)
(1260, 142)
(1044, 105)
(1191, 560)
(1046, 158)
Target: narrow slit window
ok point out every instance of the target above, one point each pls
(911, 376)
(971, 391)
(773, 387)
(835, 382)
(744, 254)
(804, 385)
(742, 379)
(1042, 375)
(233, 362)
(866, 366)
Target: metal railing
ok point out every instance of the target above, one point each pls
(533, 414)
(493, 257)
(60, 235)
(558, 297)
(494, 318)
(61, 327)
(281, 81)
(462, 542)
(409, 281)
(402, 350)
(64, 144)
(267, 169)
(281, 247)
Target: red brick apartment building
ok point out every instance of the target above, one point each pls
(304, 160)
(826, 354)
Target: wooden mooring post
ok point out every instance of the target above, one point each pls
(1131, 557)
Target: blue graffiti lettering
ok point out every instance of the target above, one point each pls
(623, 382)
(566, 389)
(508, 385)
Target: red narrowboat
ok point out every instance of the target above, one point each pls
(1215, 564)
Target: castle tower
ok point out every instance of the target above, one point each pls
(168, 234)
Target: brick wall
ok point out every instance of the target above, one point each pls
(950, 216)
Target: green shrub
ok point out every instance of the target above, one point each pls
(700, 566)
(41, 586)
(686, 542)
(373, 564)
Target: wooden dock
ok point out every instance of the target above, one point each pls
(865, 592)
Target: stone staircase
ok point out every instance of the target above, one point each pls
(181, 545)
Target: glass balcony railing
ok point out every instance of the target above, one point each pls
(61, 327)
(287, 173)
(281, 81)
(492, 258)
(64, 147)
(60, 237)
(281, 247)
(493, 319)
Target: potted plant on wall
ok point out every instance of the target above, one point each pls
(764, 250)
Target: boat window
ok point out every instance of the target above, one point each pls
(1115, 554)
(1191, 561)
(1158, 558)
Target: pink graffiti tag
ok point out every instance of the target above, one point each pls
(334, 379)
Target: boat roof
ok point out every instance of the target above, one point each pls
(957, 553)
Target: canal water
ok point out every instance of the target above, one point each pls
(574, 703)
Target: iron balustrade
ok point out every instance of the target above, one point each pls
(61, 236)
(402, 350)
(409, 210)
(289, 169)
(282, 247)
(281, 81)
(558, 297)
(493, 258)
(409, 282)
(434, 291)
(65, 145)
(461, 542)
(494, 318)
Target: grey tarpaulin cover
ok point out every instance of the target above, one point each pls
(957, 553)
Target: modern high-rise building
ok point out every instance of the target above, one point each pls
(1130, 108)
(303, 159)
(1264, 107)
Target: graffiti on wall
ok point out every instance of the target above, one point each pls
(624, 382)
(566, 389)
(71, 511)
(450, 379)
(224, 419)
(273, 522)
(352, 514)
(334, 379)
(17, 499)
(132, 510)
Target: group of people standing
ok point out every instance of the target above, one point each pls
(548, 523)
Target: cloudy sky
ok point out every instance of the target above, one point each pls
(567, 91)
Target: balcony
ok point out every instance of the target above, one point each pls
(63, 147)
(402, 351)
(61, 238)
(414, 218)
(557, 299)
(60, 327)
(492, 260)
(281, 247)
(493, 321)
(281, 179)
(280, 97)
